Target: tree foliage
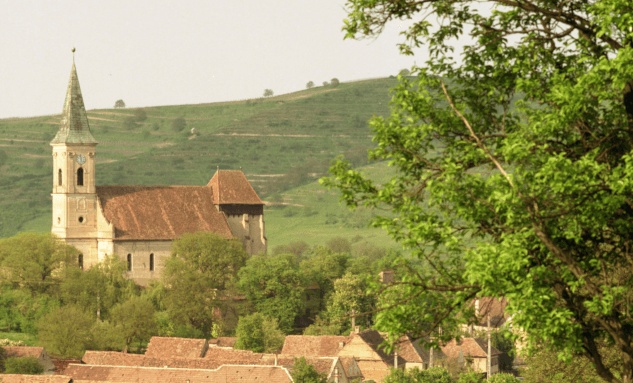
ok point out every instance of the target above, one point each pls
(268, 92)
(310, 84)
(334, 82)
(514, 168)
(66, 331)
(134, 320)
(415, 375)
(274, 285)
(178, 124)
(201, 267)
(119, 104)
(28, 365)
(259, 333)
(140, 115)
(303, 372)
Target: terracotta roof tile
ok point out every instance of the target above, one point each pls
(374, 339)
(475, 347)
(232, 187)
(170, 347)
(160, 212)
(225, 341)
(15, 378)
(225, 374)
(313, 345)
(351, 367)
(373, 369)
(22, 351)
(61, 364)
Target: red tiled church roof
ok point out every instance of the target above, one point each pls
(160, 212)
(232, 187)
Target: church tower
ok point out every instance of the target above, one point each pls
(74, 193)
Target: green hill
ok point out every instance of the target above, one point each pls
(279, 142)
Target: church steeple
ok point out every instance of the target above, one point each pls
(74, 128)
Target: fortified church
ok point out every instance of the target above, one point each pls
(139, 223)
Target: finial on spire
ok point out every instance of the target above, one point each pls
(73, 50)
(218, 167)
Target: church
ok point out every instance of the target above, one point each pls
(139, 223)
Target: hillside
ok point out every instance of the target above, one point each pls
(279, 142)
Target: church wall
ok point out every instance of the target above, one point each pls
(140, 254)
(250, 230)
(88, 248)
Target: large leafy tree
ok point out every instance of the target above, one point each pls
(197, 276)
(259, 333)
(514, 168)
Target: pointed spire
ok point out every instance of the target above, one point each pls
(74, 128)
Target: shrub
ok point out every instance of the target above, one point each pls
(25, 365)
(178, 124)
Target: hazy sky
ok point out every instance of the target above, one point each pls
(154, 52)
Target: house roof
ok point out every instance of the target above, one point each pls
(475, 347)
(495, 307)
(23, 351)
(232, 187)
(170, 347)
(160, 212)
(18, 378)
(375, 370)
(349, 363)
(225, 374)
(221, 355)
(322, 364)
(224, 341)
(374, 340)
(74, 128)
(313, 345)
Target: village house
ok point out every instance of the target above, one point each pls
(473, 352)
(139, 223)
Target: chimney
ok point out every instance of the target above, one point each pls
(275, 359)
(341, 344)
(356, 329)
(395, 359)
(477, 307)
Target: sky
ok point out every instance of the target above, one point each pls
(154, 52)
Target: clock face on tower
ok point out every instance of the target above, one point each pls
(81, 159)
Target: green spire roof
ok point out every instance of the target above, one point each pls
(74, 128)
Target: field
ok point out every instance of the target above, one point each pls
(280, 143)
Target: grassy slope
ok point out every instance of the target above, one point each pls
(267, 138)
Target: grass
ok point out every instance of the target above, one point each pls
(29, 340)
(294, 135)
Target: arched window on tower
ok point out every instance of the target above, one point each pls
(80, 177)
(151, 262)
(59, 177)
(80, 261)
(129, 262)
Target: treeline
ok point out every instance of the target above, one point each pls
(211, 288)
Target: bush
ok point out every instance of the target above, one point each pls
(339, 245)
(334, 81)
(503, 378)
(140, 115)
(145, 135)
(259, 333)
(178, 124)
(130, 123)
(26, 365)
(66, 331)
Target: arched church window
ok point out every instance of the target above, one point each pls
(80, 261)
(129, 262)
(59, 177)
(80, 177)
(151, 262)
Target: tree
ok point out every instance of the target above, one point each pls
(415, 375)
(3, 358)
(528, 194)
(310, 85)
(503, 378)
(3, 157)
(34, 261)
(325, 83)
(259, 333)
(200, 269)
(339, 245)
(334, 82)
(274, 286)
(303, 372)
(140, 115)
(134, 320)
(66, 331)
(322, 269)
(178, 124)
(119, 104)
(268, 92)
(404, 72)
(28, 365)
(130, 123)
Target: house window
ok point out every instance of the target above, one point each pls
(80, 261)
(129, 262)
(80, 177)
(59, 177)
(151, 262)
